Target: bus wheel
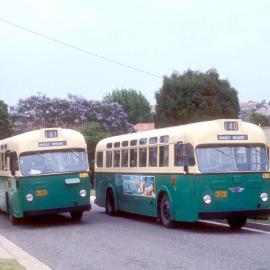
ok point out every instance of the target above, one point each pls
(76, 215)
(110, 210)
(165, 212)
(236, 223)
(15, 220)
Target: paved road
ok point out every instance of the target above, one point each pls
(127, 242)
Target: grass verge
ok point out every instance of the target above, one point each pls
(266, 221)
(9, 264)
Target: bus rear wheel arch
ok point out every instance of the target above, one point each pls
(236, 222)
(110, 202)
(165, 211)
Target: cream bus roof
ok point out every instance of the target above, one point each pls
(208, 132)
(37, 141)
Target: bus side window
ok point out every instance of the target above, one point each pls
(153, 156)
(99, 159)
(189, 154)
(183, 155)
(108, 159)
(124, 161)
(116, 158)
(133, 157)
(4, 164)
(14, 164)
(142, 157)
(164, 155)
(2, 161)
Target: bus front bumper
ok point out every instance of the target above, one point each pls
(258, 213)
(57, 210)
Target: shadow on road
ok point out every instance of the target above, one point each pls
(52, 220)
(97, 218)
(195, 227)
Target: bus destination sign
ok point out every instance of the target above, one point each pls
(232, 137)
(49, 144)
(230, 125)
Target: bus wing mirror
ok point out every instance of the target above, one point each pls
(13, 172)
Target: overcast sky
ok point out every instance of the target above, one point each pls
(156, 36)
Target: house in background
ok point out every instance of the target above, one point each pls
(143, 127)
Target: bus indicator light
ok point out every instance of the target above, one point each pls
(83, 175)
(9, 183)
(173, 180)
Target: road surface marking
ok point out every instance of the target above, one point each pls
(226, 225)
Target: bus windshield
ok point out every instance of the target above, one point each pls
(231, 158)
(53, 162)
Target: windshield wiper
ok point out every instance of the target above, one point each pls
(42, 156)
(258, 151)
(77, 155)
(222, 152)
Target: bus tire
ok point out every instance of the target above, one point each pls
(165, 212)
(237, 222)
(76, 215)
(110, 204)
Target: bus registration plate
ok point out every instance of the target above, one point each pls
(41, 192)
(221, 194)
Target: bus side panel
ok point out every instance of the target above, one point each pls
(3, 190)
(136, 193)
(131, 200)
(102, 181)
(184, 198)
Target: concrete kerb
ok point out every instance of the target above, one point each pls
(9, 250)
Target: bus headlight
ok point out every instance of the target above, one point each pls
(29, 197)
(207, 199)
(83, 193)
(264, 197)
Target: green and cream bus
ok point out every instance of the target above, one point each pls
(208, 170)
(44, 171)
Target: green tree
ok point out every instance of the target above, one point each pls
(195, 96)
(5, 125)
(93, 133)
(259, 119)
(134, 102)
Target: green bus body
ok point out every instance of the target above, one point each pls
(43, 172)
(208, 170)
(58, 195)
(186, 195)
